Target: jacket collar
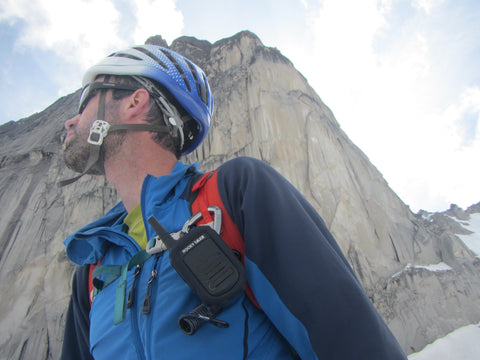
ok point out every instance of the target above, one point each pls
(159, 194)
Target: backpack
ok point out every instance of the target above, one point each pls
(205, 196)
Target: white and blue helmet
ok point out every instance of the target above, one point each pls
(184, 80)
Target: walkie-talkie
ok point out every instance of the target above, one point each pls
(208, 265)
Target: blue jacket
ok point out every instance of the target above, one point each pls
(311, 300)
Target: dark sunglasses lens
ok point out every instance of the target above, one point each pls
(90, 90)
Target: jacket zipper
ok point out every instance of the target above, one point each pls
(146, 308)
(137, 306)
(131, 293)
(150, 291)
(133, 318)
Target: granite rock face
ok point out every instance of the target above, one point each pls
(263, 108)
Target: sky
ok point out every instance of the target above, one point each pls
(402, 77)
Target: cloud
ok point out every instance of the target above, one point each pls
(443, 169)
(304, 3)
(427, 5)
(82, 31)
(157, 18)
(465, 115)
(77, 31)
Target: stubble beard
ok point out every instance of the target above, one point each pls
(76, 153)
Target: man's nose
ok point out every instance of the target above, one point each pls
(72, 122)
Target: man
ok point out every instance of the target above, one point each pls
(140, 110)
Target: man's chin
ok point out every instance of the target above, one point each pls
(73, 161)
(79, 165)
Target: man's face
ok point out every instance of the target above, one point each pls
(76, 150)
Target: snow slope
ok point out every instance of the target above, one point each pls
(463, 343)
(472, 240)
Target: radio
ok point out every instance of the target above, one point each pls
(208, 265)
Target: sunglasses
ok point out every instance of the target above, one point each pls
(90, 90)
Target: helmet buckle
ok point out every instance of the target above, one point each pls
(98, 132)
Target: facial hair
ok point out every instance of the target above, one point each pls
(76, 149)
(76, 152)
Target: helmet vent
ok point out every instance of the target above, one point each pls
(203, 90)
(151, 55)
(200, 87)
(192, 70)
(178, 67)
(128, 56)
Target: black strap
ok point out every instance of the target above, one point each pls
(139, 127)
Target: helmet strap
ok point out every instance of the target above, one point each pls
(171, 117)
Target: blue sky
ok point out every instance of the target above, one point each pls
(401, 76)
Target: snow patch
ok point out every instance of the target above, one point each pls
(464, 223)
(428, 216)
(460, 344)
(432, 267)
(435, 267)
(472, 241)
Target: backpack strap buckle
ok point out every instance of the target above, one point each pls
(155, 246)
(216, 224)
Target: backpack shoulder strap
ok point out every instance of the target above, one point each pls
(207, 194)
(91, 287)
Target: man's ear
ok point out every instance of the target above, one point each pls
(138, 103)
